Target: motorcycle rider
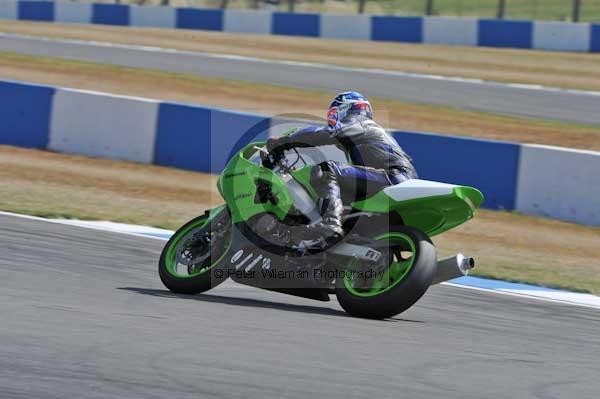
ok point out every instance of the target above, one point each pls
(377, 159)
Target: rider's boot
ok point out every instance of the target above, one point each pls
(330, 226)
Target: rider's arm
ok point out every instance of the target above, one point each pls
(308, 137)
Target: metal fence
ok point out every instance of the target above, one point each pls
(560, 10)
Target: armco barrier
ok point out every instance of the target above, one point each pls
(552, 182)
(563, 36)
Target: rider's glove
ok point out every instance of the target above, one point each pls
(276, 146)
(273, 144)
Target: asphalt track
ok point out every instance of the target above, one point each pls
(84, 315)
(551, 104)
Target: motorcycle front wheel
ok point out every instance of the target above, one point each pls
(194, 259)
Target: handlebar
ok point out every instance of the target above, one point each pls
(277, 158)
(271, 159)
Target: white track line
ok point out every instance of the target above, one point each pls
(87, 225)
(375, 71)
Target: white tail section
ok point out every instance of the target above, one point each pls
(415, 188)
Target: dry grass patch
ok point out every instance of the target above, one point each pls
(573, 70)
(271, 99)
(50, 184)
(507, 246)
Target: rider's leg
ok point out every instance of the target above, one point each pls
(360, 182)
(325, 182)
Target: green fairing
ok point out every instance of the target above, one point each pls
(432, 215)
(237, 185)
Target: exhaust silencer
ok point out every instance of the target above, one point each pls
(453, 267)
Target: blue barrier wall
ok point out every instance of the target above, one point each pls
(231, 131)
(195, 18)
(397, 29)
(490, 166)
(595, 38)
(497, 33)
(292, 24)
(110, 14)
(36, 10)
(183, 137)
(25, 112)
(561, 36)
(203, 139)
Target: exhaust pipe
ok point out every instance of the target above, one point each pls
(453, 267)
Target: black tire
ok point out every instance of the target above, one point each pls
(202, 282)
(401, 296)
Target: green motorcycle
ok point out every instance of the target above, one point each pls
(384, 264)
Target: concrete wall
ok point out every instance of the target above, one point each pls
(244, 21)
(553, 182)
(101, 125)
(79, 13)
(448, 30)
(355, 27)
(561, 36)
(559, 183)
(156, 17)
(8, 9)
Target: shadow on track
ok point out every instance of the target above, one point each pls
(255, 303)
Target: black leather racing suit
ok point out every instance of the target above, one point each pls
(377, 161)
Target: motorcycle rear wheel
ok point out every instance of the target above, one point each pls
(407, 278)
